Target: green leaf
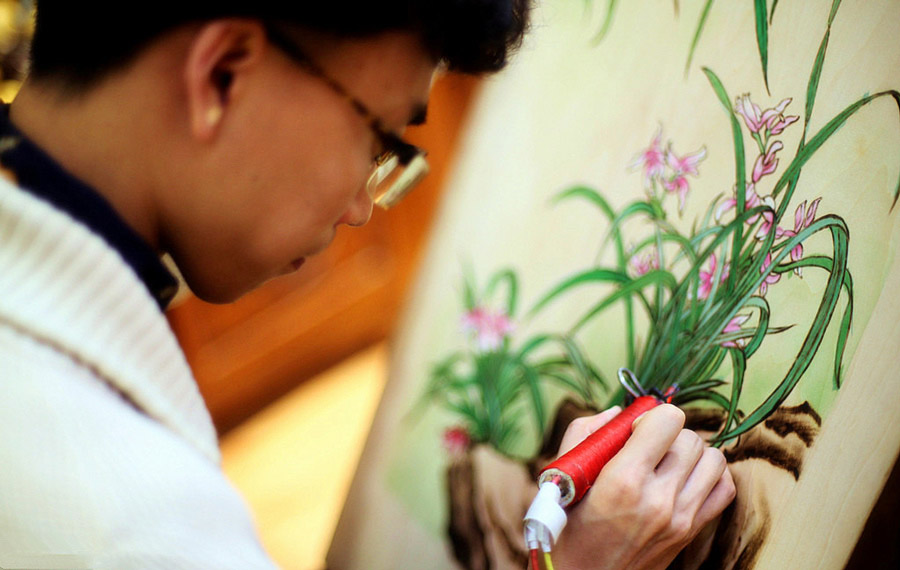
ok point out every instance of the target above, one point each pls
(589, 194)
(585, 277)
(708, 396)
(807, 152)
(697, 387)
(843, 332)
(710, 210)
(762, 37)
(470, 299)
(507, 277)
(738, 368)
(568, 382)
(532, 381)
(812, 86)
(762, 306)
(823, 262)
(710, 367)
(816, 331)
(628, 288)
(592, 195)
(739, 165)
(700, 24)
(607, 22)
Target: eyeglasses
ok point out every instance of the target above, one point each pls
(399, 166)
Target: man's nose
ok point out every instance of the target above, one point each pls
(360, 210)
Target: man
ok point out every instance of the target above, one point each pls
(235, 136)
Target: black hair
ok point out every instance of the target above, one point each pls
(77, 43)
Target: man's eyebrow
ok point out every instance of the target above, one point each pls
(419, 115)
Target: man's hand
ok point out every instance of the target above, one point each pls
(649, 501)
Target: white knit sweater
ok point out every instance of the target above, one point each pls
(108, 458)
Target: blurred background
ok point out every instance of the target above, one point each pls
(293, 372)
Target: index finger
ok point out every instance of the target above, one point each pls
(652, 436)
(582, 427)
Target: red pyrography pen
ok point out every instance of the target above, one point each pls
(565, 481)
(578, 468)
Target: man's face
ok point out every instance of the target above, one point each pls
(291, 161)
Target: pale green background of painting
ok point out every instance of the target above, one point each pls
(570, 113)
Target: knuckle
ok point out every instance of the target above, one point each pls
(681, 528)
(578, 422)
(628, 491)
(580, 425)
(731, 492)
(730, 489)
(715, 458)
(691, 440)
(660, 513)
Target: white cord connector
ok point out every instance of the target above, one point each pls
(545, 518)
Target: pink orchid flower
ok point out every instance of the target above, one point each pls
(490, 328)
(734, 325)
(641, 264)
(456, 441)
(681, 166)
(680, 186)
(768, 217)
(706, 277)
(752, 200)
(751, 113)
(776, 122)
(771, 278)
(770, 122)
(766, 163)
(651, 159)
(686, 164)
(803, 217)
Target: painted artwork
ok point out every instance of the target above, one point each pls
(692, 201)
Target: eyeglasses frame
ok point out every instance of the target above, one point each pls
(392, 144)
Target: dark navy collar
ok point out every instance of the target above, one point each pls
(39, 174)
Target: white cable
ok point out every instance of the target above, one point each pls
(545, 519)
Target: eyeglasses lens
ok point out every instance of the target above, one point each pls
(392, 180)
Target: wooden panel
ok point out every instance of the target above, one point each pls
(274, 462)
(249, 353)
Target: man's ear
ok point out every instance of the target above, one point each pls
(219, 56)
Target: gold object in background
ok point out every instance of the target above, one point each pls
(16, 28)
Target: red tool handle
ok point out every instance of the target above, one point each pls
(580, 466)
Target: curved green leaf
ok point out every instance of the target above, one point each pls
(631, 287)
(507, 277)
(607, 22)
(813, 338)
(585, 277)
(808, 150)
(592, 195)
(823, 262)
(740, 177)
(762, 37)
(532, 381)
(700, 25)
(738, 368)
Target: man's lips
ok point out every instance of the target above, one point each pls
(298, 263)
